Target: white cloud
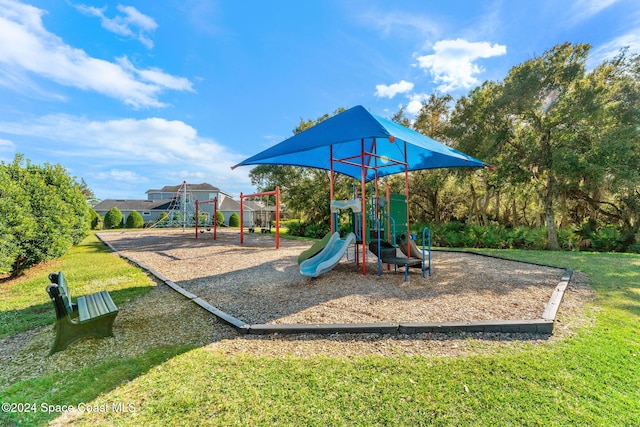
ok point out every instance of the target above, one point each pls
(415, 103)
(164, 145)
(120, 175)
(131, 23)
(398, 22)
(585, 9)
(392, 90)
(156, 76)
(609, 50)
(453, 62)
(153, 139)
(26, 47)
(6, 145)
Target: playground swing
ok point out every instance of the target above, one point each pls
(263, 216)
(265, 220)
(252, 227)
(275, 193)
(210, 218)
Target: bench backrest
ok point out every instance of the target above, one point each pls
(63, 291)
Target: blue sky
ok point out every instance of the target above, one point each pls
(135, 95)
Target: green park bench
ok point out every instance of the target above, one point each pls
(91, 316)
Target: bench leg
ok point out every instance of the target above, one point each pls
(68, 332)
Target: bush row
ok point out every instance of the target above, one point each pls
(602, 238)
(605, 238)
(302, 229)
(115, 219)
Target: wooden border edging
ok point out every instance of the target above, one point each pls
(227, 318)
(553, 305)
(544, 325)
(324, 328)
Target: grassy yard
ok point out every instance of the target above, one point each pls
(590, 378)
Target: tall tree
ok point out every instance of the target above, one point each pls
(613, 186)
(427, 185)
(540, 95)
(552, 126)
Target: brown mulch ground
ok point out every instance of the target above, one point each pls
(258, 284)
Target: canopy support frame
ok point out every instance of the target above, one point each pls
(366, 158)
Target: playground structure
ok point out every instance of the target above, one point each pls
(261, 218)
(366, 147)
(181, 210)
(212, 223)
(328, 257)
(275, 193)
(382, 228)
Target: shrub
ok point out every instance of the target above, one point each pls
(134, 220)
(113, 218)
(42, 213)
(316, 231)
(176, 219)
(606, 239)
(219, 217)
(96, 220)
(234, 220)
(17, 225)
(163, 218)
(517, 237)
(296, 228)
(202, 219)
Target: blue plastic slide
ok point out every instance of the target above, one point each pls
(326, 259)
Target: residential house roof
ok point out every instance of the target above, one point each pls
(229, 205)
(133, 205)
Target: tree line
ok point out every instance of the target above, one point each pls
(564, 142)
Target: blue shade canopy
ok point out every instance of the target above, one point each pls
(363, 141)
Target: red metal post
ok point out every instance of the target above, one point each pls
(241, 219)
(364, 210)
(277, 217)
(197, 219)
(406, 195)
(331, 190)
(388, 193)
(215, 218)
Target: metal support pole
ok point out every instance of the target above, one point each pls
(364, 210)
(215, 218)
(406, 194)
(277, 217)
(197, 218)
(331, 189)
(241, 219)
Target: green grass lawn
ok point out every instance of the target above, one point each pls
(590, 378)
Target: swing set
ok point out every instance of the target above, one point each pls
(214, 218)
(266, 224)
